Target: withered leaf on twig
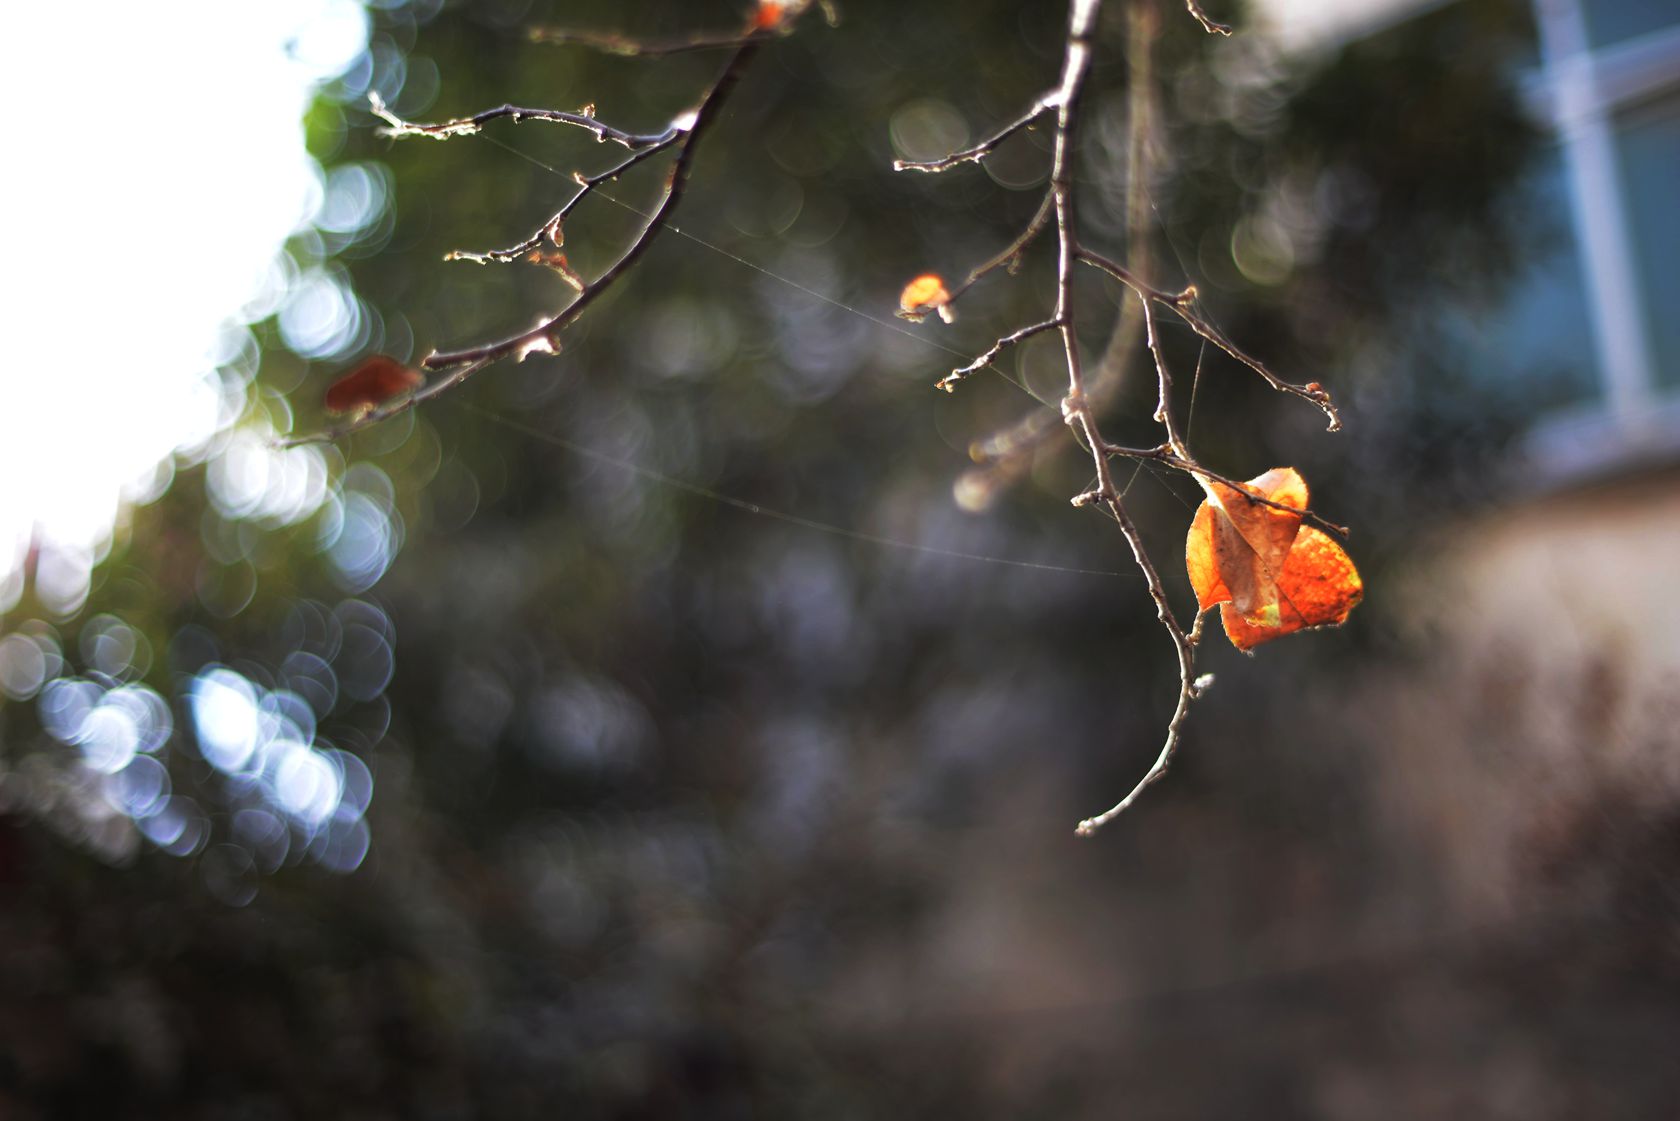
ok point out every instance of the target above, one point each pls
(377, 380)
(1269, 574)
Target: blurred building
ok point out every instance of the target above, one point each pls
(1586, 345)
(1591, 333)
(1589, 343)
(1546, 710)
(1608, 82)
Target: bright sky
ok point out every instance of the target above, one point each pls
(155, 167)
(1308, 23)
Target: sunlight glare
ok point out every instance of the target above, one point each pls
(160, 169)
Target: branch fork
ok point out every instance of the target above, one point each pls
(682, 136)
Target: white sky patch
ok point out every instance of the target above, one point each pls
(156, 166)
(1305, 24)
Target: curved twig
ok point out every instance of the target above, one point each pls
(552, 227)
(949, 381)
(1212, 27)
(1183, 304)
(983, 149)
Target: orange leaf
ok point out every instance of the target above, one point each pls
(375, 381)
(769, 15)
(924, 294)
(1319, 587)
(1270, 575)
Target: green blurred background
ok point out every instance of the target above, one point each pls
(472, 768)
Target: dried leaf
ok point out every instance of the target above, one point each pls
(1319, 587)
(557, 262)
(924, 294)
(1270, 575)
(1238, 546)
(769, 15)
(376, 381)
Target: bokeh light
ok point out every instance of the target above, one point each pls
(265, 743)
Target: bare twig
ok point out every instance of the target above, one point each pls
(1011, 255)
(949, 381)
(983, 149)
(1212, 27)
(1165, 456)
(396, 127)
(1183, 303)
(1185, 644)
(1163, 406)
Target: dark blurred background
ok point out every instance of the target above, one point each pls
(473, 768)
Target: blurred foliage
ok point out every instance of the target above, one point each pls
(680, 811)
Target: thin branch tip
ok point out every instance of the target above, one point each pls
(1211, 26)
(986, 147)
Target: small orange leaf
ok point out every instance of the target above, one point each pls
(769, 15)
(1269, 574)
(375, 381)
(924, 294)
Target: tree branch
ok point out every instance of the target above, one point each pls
(1183, 303)
(1079, 412)
(553, 226)
(703, 118)
(684, 133)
